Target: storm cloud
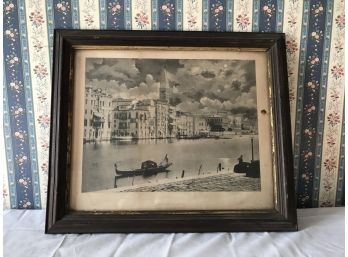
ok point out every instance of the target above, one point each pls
(198, 86)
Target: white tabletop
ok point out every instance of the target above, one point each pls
(321, 234)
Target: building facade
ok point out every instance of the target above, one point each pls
(97, 116)
(185, 126)
(172, 122)
(162, 112)
(131, 120)
(215, 122)
(200, 126)
(147, 119)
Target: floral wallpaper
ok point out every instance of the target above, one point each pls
(314, 36)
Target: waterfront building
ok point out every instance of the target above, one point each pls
(141, 120)
(172, 122)
(249, 126)
(132, 120)
(233, 123)
(215, 122)
(200, 125)
(236, 122)
(184, 124)
(225, 122)
(149, 106)
(97, 115)
(162, 115)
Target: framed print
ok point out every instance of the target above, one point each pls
(170, 132)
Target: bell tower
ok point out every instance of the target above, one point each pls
(164, 87)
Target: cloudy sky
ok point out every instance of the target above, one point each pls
(197, 85)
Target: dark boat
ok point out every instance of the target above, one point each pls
(251, 169)
(254, 169)
(148, 168)
(241, 167)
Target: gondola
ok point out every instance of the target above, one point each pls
(148, 168)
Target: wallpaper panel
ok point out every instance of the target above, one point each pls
(314, 36)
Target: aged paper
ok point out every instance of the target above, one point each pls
(113, 200)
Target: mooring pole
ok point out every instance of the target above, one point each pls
(252, 148)
(133, 179)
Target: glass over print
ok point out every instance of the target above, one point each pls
(172, 124)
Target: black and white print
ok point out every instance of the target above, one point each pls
(170, 125)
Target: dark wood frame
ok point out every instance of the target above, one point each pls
(59, 217)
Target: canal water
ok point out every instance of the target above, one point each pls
(185, 154)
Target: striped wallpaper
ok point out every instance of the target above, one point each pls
(315, 39)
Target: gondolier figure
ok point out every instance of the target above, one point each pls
(240, 159)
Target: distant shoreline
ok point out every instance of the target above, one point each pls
(215, 137)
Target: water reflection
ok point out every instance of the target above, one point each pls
(195, 156)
